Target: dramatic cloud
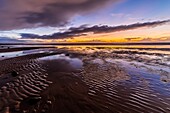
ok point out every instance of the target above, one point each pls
(9, 40)
(84, 30)
(25, 35)
(18, 14)
(132, 39)
(161, 39)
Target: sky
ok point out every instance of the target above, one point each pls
(48, 21)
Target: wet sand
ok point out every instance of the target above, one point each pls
(93, 81)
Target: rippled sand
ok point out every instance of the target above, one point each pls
(93, 80)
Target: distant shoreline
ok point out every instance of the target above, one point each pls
(146, 43)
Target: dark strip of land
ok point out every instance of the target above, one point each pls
(90, 43)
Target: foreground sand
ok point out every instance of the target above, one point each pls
(67, 81)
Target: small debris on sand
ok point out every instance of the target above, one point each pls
(14, 73)
(33, 100)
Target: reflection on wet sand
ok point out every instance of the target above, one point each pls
(85, 80)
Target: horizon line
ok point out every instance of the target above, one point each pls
(88, 43)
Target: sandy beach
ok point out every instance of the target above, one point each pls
(83, 80)
(84, 56)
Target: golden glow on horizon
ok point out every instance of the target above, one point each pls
(160, 33)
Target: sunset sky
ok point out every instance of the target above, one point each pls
(84, 21)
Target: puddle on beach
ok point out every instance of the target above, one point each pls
(7, 55)
(10, 55)
(62, 62)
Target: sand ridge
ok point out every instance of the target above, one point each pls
(30, 82)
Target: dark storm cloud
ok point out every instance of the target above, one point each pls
(18, 14)
(25, 35)
(108, 29)
(84, 30)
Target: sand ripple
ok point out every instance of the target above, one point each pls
(112, 90)
(101, 86)
(30, 82)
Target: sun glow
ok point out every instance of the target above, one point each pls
(137, 35)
